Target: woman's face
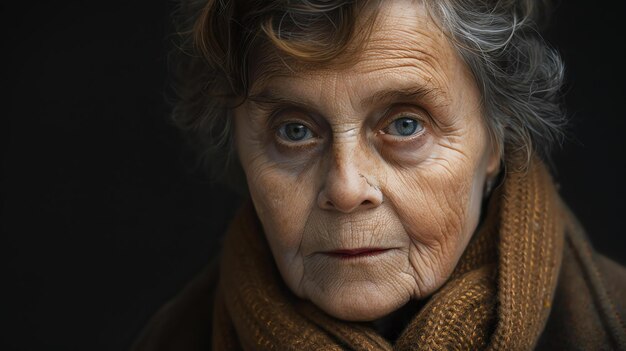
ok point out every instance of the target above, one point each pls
(368, 180)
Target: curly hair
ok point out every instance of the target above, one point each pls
(518, 74)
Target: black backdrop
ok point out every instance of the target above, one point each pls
(103, 218)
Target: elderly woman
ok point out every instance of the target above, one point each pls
(393, 155)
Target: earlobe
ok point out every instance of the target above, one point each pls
(494, 161)
(492, 171)
(493, 167)
(489, 182)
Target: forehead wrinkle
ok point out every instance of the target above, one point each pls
(415, 37)
(431, 57)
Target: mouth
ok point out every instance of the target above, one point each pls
(345, 254)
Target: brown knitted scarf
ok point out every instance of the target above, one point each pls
(498, 297)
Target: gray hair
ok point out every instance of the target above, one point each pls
(519, 75)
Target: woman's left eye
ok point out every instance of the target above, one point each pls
(404, 126)
(294, 132)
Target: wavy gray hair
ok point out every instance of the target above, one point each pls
(518, 74)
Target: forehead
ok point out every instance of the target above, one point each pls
(404, 47)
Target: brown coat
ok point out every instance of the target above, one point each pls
(588, 311)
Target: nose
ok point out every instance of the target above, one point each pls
(349, 187)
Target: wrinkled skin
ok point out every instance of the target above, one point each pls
(353, 181)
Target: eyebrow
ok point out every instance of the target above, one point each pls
(403, 94)
(274, 97)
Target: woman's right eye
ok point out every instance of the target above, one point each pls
(294, 132)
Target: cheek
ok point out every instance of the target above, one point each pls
(436, 203)
(282, 201)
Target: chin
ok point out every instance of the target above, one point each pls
(359, 303)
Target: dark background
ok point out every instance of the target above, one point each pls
(103, 217)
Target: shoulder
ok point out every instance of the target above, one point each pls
(183, 323)
(589, 306)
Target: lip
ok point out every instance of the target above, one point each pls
(354, 253)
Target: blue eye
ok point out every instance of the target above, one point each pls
(404, 127)
(294, 132)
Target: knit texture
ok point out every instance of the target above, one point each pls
(498, 297)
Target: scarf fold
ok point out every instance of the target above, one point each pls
(498, 297)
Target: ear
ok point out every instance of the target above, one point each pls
(494, 160)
